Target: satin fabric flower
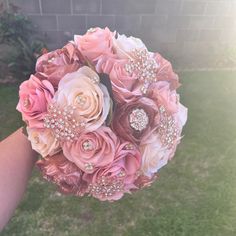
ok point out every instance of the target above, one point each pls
(154, 155)
(122, 125)
(92, 150)
(66, 175)
(95, 44)
(112, 181)
(54, 65)
(91, 99)
(161, 93)
(43, 141)
(125, 88)
(124, 45)
(165, 71)
(34, 96)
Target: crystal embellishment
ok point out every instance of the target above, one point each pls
(143, 66)
(168, 129)
(138, 119)
(63, 123)
(107, 187)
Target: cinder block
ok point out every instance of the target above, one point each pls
(56, 6)
(71, 22)
(209, 35)
(128, 6)
(153, 21)
(27, 6)
(218, 8)
(168, 7)
(194, 7)
(225, 22)
(228, 36)
(186, 35)
(44, 23)
(127, 22)
(178, 22)
(86, 6)
(101, 21)
(202, 22)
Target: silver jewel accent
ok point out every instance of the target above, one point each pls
(168, 129)
(87, 145)
(81, 100)
(63, 122)
(144, 66)
(88, 166)
(138, 119)
(129, 146)
(91, 30)
(106, 187)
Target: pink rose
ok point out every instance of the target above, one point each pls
(165, 72)
(63, 173)
(92, 150)
(124, 86)
(112, 181)
(161, 93)
(34, 98)
(56, 64)
(95, 43)
(136, 120)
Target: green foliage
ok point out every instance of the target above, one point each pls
(19, 34)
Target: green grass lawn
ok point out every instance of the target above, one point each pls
(194, 196)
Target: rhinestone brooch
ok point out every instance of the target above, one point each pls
(168, 129)
(138, 119)
(144, 66)
(63, 123)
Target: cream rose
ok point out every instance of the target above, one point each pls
(123, 45)
(154, 155)
(89, 98)
(43, 141)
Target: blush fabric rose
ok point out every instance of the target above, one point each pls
(165, 71)
(92, 150)
(43, 141)
(122, 126)
(112, 181)
(124, 45)
(91, 99)
(95, 43)
(66, 175)
(54, 65)
(161, 93)
(125, 88)
(154, 155)
(34, 96)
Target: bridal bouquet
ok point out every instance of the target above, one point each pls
(103, 113)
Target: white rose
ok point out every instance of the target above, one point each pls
(43, 141)
(123, 45)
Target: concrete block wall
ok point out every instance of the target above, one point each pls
(188, 32)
